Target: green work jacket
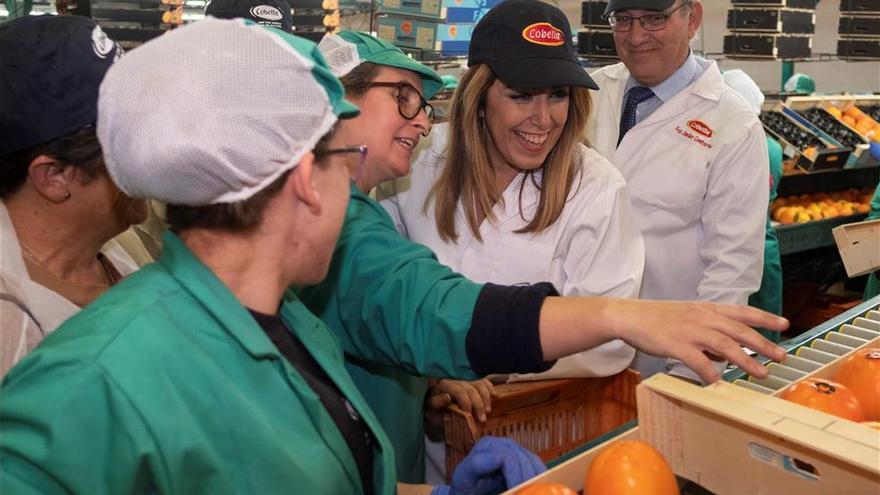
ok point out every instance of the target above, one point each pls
(166, 384)
(400, 316)
(769, 296)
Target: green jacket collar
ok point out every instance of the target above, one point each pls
(214, 296)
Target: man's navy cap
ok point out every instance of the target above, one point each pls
(658, 5)
(528, 44)
(50, 70)
(270, 13)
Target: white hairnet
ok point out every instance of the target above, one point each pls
(214, 112)
(740, 82)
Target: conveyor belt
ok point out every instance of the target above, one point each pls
(816, 348)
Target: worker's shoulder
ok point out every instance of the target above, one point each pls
(126, 316)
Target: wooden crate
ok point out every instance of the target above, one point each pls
(547, 417)
(732, 440)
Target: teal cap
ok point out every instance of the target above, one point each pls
(800, 83)
(381, 52)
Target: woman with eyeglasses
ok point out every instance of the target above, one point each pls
(507, 193)
(391, 90)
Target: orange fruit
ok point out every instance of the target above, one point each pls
(786, 215)
(826, 396)
(802, 217)
(546, 489)
(810, 152)
(854, 112)
(849, 121)
(630, 467)
(860, 372)
(835, 111)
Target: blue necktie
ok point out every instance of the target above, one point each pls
(634, 96)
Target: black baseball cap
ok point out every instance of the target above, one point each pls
(50, 71)
(658, 5)
(271, 13)
(528, 44)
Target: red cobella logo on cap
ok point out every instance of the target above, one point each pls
(543, 33)
(700, 128)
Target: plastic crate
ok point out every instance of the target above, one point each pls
(797, 237)
(547, 417)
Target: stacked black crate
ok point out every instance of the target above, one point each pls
(859, 30)
(313, 18)
(131, 22)
(595, 40)
(770, 29)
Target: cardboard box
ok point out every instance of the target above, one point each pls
(439, 10)
(859, 246)
(448, 39)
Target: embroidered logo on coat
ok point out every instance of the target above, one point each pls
(700, 127)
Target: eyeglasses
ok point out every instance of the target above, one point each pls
(409, 101)
(622, 23)
(354, 171)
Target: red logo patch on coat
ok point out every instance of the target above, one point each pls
(700, 127)
(543, 33)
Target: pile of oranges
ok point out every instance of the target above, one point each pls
(809, 207)
(853, 394)
(858, 120)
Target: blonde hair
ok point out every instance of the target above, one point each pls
(468, 175)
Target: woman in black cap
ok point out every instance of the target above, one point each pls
(507, 193)
(59, 209)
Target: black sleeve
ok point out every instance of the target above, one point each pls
(504, 334)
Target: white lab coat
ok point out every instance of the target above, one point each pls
(701, 201)
(28, 310)
(593, 249)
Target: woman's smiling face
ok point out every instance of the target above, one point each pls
(524, 125)
(389, 136)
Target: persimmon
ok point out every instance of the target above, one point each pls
(630, 467)
(860, 372)
(826, 396)
(546, 489)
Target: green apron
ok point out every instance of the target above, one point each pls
(873, 286)
(769, 296)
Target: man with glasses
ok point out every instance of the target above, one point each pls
(693, 154)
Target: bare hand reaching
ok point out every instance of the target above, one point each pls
(688, 331)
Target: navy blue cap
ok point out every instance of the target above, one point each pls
(270, 13)
(528, 44)
(50, 71)
(658, 5)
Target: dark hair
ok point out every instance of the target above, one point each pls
(357, 82)
(241, 216)
(79, 149)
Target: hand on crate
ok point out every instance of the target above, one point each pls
(473, 397)
(493, 465)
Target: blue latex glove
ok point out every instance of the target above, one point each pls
(875, 150)
(493, 465)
